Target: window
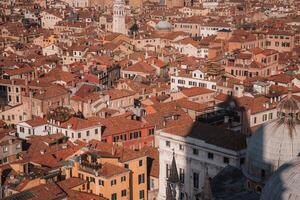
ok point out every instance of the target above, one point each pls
(263, 174)
(195, 151)
(87, 133)
(92, 179)
(196, 180)
(254, 120)
(181, 175)
(123, 178)
(242, 161)
(140, 163)
(79, 135)
(96, 131)
(5, 149)
(168, 143)
(181, 195)
(270, 115)
(226, 160)
(258, 189)
(126, 166)
(142, 194)
(265, 116)
(152, 183)
(167, 170)
(141, 178)
(181, 147)
(113, 182)
(114, 196)
(22, 129)
(210, 156)
(123, 193)
(151, 131)
(101, 182)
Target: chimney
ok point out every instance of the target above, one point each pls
(164, 123)
(113, 152)
(267, 105)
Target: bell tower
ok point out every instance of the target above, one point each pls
(119, 15)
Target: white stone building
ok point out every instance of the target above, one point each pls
(74, 128)
(212, 28)
(199, 150)
(196, 79)
(37, 126)
(49, 20)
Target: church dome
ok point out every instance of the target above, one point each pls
(284, 184)
(274, 143)
(163, 25)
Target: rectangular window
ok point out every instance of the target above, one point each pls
(196, 180)
(101, 182)
(264, 117)
(167, 170)
(142, 194)
(140, 163)
(152, 183)
(270, 115)
(113, 182)
(225, 160)
(114, 196)
(96, 131)
(181, 147)
(168, 143)
(254, 120)
(181, 175)
(151, 131)
(123, 193)
(87, 133)
(123, 178)
(195, 151)
(22, 129)
(79, 135)
(242, 161)
(5, 149)
(141, 178)
(210, 156)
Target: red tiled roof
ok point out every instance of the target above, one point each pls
(78, 124)
(38, 121)
(195, 91)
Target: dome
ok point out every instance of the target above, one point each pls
(274, 143)
(284, 184)
(163, 25)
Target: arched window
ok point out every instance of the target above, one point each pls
(258, 189)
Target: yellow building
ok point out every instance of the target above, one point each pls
(112, 172)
